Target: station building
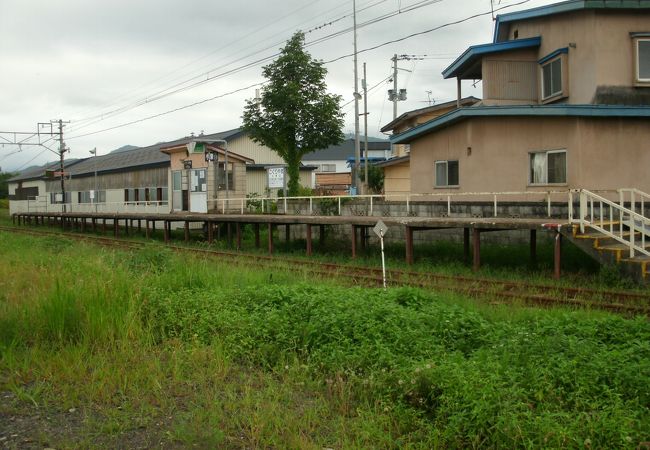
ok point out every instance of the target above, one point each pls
(187, 174)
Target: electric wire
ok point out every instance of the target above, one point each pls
(180, 87)
(326, 62)
(207, 55)
(439, 27)
(168, 112)
(206, 74)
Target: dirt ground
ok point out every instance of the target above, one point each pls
(23, 425)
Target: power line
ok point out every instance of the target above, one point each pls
(179, 69)
(426, 31)
(180, 88)
(168, 112)
(448, 24)
(163, 93)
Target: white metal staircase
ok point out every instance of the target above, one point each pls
(613, 232)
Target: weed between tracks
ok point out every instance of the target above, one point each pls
(113, 348)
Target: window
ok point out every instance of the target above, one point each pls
(552, 79)
(446, 173)
(177, 177)
(221, 177)
(56, 197)
(548, 167)
(643, 60)
(25, 193)
(85, 197)
(130, 195)
(327, 168)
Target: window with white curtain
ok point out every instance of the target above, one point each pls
(548, 167)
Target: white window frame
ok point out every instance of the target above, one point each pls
(435, 173)
(546, 153)
(554, 93)
(637, 60)
(323, 168)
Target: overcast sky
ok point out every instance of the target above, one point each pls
(103, 64)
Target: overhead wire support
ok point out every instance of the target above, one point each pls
(24, 138)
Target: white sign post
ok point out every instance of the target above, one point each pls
(380, 230)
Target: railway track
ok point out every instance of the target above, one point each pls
(625, 302)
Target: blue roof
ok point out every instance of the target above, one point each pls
(501, 31)
(371, 159)
(521, 111)
(472, 54)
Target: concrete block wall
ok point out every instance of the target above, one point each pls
(363, 207)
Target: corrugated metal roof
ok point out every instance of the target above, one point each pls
(344, 150)
(122, 160)
(34, 173)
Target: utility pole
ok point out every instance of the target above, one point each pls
(395, 97)
(365, 127)
(357, 145)
(62, 165)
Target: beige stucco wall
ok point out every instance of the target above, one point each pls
(398, 150)
(397, 179)
(493, 153)
(600, 47)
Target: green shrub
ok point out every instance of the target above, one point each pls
(551, 381)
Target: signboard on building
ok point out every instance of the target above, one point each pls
(276, 177)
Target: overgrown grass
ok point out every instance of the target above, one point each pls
(197, 352)
(503, 262)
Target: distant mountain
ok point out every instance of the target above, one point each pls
(124, 148)
(361, 136)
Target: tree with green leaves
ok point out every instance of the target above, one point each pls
(294, 114)
(4, 183)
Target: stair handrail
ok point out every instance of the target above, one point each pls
(634, 193)
(636, 222)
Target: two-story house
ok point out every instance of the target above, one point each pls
(397, 176)
(566, 104)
